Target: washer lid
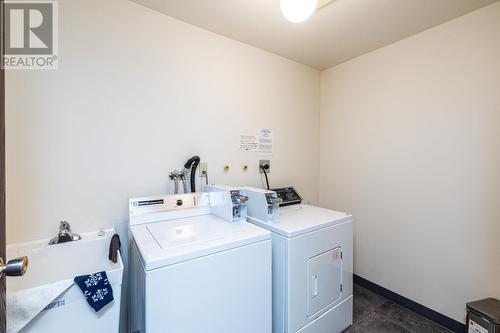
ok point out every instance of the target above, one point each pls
(301, 219)
(170, 242)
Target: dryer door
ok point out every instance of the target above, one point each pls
(324, 281)
(316, 268)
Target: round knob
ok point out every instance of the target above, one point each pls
(179, 202)
(16, 267)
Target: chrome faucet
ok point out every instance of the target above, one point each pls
(65, 234)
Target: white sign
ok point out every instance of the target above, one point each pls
(265, 141)
(248, 142)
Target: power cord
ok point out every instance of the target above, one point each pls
(264, 168)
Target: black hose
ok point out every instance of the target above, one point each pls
(193, 175)
(192, 164)
(263, 167)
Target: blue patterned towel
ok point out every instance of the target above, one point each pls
(96, 289)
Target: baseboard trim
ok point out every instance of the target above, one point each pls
(424, 311)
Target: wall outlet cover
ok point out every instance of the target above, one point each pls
(263, 162)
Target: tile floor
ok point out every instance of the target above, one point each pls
(375, 314)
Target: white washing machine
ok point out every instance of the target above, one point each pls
(193, 272)
(312, 262)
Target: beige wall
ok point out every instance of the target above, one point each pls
(410, 143)
(135, 95)
(409, 137)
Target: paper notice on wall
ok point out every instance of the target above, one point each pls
(248, 142)
(265, 136)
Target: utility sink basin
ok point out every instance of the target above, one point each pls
(50, 264)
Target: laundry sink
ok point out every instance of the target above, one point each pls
(60, 263)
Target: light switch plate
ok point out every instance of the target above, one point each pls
(203, 167)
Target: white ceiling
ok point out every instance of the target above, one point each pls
(338, 32)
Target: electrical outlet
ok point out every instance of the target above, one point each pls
(203, 167)
(263, 162)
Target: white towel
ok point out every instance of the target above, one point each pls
(24, 305)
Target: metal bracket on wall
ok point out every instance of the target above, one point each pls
(323, 3)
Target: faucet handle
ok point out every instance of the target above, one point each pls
(64, 226)
(16, 267)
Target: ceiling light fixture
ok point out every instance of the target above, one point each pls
(297, 11)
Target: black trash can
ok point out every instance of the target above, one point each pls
(483, 316)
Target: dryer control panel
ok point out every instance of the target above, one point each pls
(288, 196)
